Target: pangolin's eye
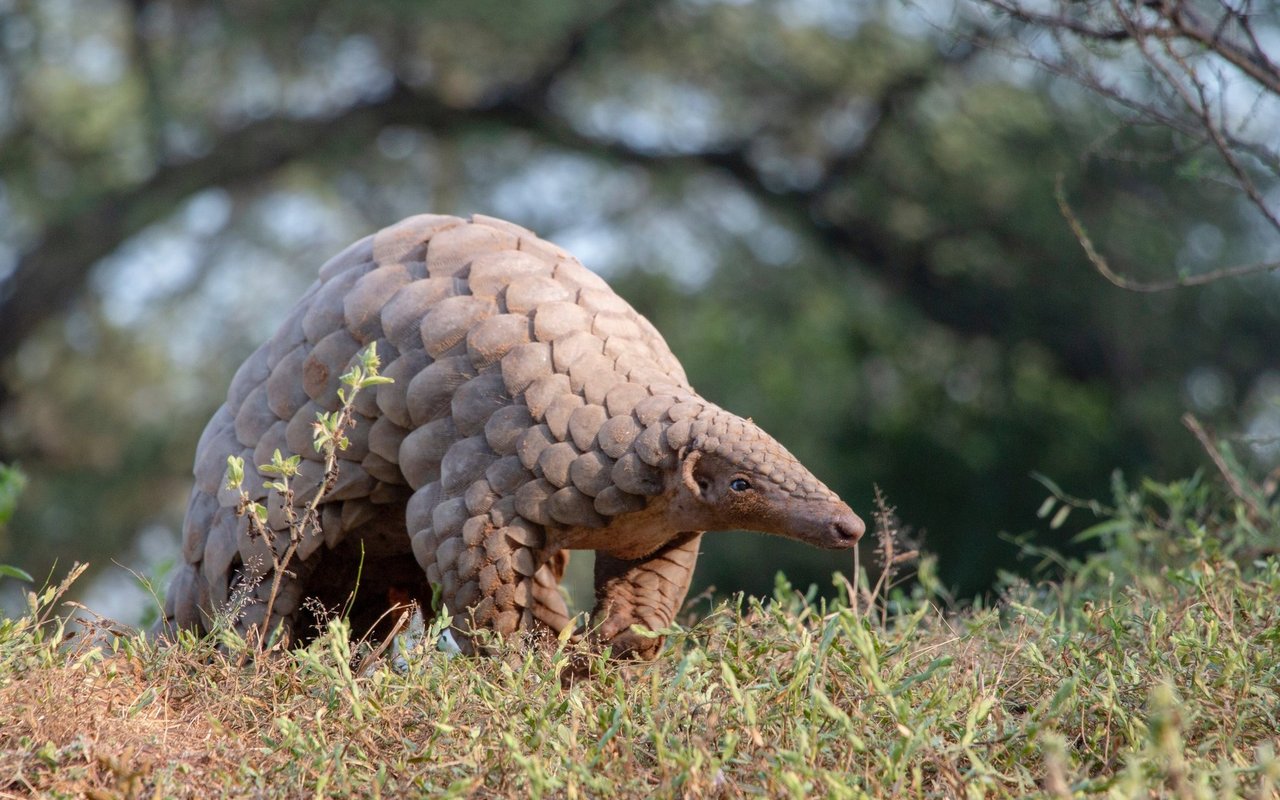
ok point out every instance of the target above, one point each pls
(739, 484)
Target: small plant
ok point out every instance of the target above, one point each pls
(894, 551)
(329, 433)
(1152, 528)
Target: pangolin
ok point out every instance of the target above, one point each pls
(532, 412)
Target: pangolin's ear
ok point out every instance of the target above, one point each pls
(687, 467)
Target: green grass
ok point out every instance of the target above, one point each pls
(1148, 670)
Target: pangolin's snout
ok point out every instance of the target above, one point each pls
(845, 530)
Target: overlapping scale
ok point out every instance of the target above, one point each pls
(527, 398)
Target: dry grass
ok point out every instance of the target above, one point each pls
(1150, 670)
(783, 700)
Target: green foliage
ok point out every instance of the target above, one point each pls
(1152, 670)
(1156, 532)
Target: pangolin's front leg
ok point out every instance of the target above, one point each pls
(647, 592)
(547, 605)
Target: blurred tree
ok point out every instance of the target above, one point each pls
(841, 215)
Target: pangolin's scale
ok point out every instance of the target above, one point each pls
(527, 397)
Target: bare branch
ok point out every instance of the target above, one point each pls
(1056, 22)
(1104, 268)
(1176, 42)
(1248, 495)
(1181, 21)
(1198, 105)
(1186, 23)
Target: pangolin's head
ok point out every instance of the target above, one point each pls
(733, 475)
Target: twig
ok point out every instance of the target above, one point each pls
(1100, 262)
(1170, 37)
(1256, 65)
(1198, 105)
(1250, 498)
(404, 614)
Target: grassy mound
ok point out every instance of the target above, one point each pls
(1148, 669)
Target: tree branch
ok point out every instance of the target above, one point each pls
(1104, 268)
(1186, 23)
(1059, 22)
(1172, 38)
(1197, 105)
(1181, 21)
(50, 274)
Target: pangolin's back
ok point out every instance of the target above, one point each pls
(514, 369)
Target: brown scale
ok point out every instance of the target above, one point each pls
(532, 412)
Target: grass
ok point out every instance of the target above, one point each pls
(1150, 669)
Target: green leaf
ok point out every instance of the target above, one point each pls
(942, 662)
(353, 376)
(235, 472)
(13, 572)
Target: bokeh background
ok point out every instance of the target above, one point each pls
(841, 216)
